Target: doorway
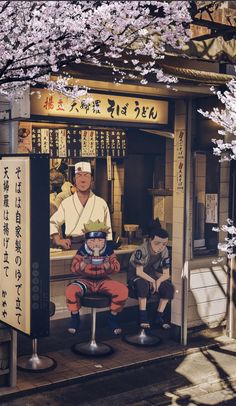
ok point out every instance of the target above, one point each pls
(138, 179)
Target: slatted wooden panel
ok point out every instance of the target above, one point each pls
(207, 296)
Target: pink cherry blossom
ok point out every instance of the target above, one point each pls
(225, 117)
(38, 38)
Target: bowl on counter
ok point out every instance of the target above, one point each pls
(97, 260)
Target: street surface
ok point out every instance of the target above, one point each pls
(204, 378)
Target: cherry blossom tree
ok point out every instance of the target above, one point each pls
(229, 243)
(225, 117)
(38, 38)
(225, 148)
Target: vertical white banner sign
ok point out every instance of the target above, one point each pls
(15, 242)
(62, 143)
(88, 143)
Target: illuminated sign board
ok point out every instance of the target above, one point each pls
(105, 107)
(24, 238)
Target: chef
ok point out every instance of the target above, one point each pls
(78, 209)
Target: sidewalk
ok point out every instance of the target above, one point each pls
(72, 368)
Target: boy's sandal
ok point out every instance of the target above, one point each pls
(74, 323)
(143, 319)
(166, 326)
(159, 322)
(114, 325)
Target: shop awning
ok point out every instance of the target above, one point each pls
(194, 75)
(211, 49)
(161, 133)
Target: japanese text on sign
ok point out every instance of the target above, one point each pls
(101, 107)
(180, 161)
(88, 143)
(73, 142)
(211, 208)
(15, 287)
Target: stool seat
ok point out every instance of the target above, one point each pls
(95, 300)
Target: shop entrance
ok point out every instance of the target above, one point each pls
(138, 179)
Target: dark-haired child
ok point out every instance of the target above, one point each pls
(149, 273)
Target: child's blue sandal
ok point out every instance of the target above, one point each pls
(113, 323)
(74, 323)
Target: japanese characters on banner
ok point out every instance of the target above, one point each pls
(24, 239)
(88, 143)
(111, 142)
(101, 107)
(211, 208)
(109, 168)
(15, 243)
(73, 142)
(45, 141)
(62, 143)
(180, 157)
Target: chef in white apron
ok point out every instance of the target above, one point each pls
(78, 209)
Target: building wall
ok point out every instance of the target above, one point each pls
(4, 138)
(207, 292)
(207, 278)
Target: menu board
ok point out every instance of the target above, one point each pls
(111, 142)
(88, 143)
(73, 142)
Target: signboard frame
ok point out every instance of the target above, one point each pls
(39, 243)
(169, 126)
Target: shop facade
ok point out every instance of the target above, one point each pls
(153, 161)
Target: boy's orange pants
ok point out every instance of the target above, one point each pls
(116, 290)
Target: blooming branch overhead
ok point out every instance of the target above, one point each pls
(226, 119)
(226, 150)
(38, 38)
(229, 243)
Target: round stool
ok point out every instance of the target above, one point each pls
(92, 347)
(37, 363)
(142, 339)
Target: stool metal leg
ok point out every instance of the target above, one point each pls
(93, 348)
(35, 363)
(142, 339)
(93, 327)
